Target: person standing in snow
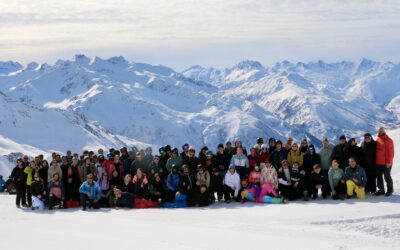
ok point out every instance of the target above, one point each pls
(278, 155)
(339, 152)
(368, 148)
(19, 177)
(295, 155)
(384, 162)
(325, 155)
(241, 163)
(175, 159)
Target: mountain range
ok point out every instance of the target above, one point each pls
(92, 102)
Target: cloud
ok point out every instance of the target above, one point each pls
(320, 28)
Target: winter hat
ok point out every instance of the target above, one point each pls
(232, 166)
(279, 142)
(342, 137)
(256, 167)
(192, 149)
(311, 147)
(161, 150)
(367, 135)
(209, 153)
(228, 143)
(110, 155)
(185, 146)
(220, 145)
(272, 139)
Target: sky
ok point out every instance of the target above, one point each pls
(212, 33)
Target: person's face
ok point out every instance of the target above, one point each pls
(325, 144)
(335, 164)
(203, 190)
(317, 170)
(186, 171)
(19, 162)
(295, 147)
(352, 163)
(139, 156)
(367, 138)
(69, 180)
(128, 179)
(37, 178)
(295, 167)
(158, 178)
(156, 160)
(191, 153)
(105, 176)
(221, 149)
(228, 146)
(304, 143)
(381, 131)
(139, 172)
(342, 141)
(232, 170)
(201, 170)
(55, 177)
(253, 151)
(279, 146)
(272, 143)
(90, 179)
(87, 162)
(115, 174)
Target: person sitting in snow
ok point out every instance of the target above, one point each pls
(38, 193)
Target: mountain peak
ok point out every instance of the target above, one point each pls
(118, 60)
(82, 59)
(249, 65)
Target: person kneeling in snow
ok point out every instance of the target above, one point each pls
(201, 197)
(56, 192)
(38, 193)
(90, 192)
(231, 184)
(356, 179)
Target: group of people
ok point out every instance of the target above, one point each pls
(273, 172)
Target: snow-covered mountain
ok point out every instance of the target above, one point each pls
(88, 102)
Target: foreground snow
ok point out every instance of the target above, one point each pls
(321, 224)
